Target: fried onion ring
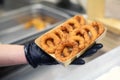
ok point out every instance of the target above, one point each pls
(66, 51)
(58, 32)
(79, 40)
(98, 26)
(91, 32)
(80, 19)
(73, 23)
(71, 49)
(49, 42)
(82, 33)
(66, 29)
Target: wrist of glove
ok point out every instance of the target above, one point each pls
(36, 56)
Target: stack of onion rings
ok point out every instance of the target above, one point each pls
(82, 33)
(80, 19)
(66, 50)
(98, 26)
(49, 42)
(73, 23)
(71, 37)
(91, 32)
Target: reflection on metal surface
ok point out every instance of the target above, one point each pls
(12, 27)
(12, 23)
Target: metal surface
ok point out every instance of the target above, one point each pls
(12, 29)
(45, 72)
(97, 67)
(89, 71)
(70, 12)
(12, 23)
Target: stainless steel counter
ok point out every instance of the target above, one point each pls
(52, 72)
(12, 24)
(12, 27)
(89, 71)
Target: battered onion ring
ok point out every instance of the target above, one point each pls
(50, 43)
(48, 46)
(98, 26)
(72, 49)
(80, 19)
(73, 23)
(79, 40)
(66, 29)
(82, 33)
(60, 34)
(66, 51)
(91, 32)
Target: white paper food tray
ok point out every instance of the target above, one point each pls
(67, 62)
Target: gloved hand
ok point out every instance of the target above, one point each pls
(36, 56)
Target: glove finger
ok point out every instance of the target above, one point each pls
(92, 50)
(97, 46)
(89, 53)
(44, 59)
(78, 61)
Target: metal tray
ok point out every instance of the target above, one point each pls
(12, 23)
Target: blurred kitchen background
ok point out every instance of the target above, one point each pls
(7, 5)
(16, 17)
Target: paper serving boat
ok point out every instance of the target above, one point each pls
(68, 61)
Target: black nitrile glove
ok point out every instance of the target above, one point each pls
(35, 56)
